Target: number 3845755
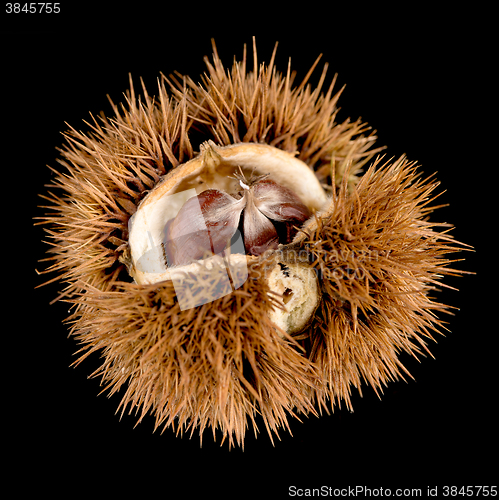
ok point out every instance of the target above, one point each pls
(33, 8)
(469, 491)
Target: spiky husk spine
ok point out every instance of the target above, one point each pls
(222, 363)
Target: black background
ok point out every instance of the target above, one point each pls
(425, 87)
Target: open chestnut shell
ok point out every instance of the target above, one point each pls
(253, 191)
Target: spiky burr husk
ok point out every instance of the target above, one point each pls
(221, 364)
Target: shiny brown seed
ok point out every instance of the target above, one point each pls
(206, 223)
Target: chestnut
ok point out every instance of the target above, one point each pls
(265, 213)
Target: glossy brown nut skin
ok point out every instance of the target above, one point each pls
(206, 223)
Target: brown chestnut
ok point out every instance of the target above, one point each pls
(206, 223)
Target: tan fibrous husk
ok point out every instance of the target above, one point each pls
(224, 364)
(208, 359)
(379, 258)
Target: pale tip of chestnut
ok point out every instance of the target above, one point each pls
(298, 286)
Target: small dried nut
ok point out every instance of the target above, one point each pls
(299, 288)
